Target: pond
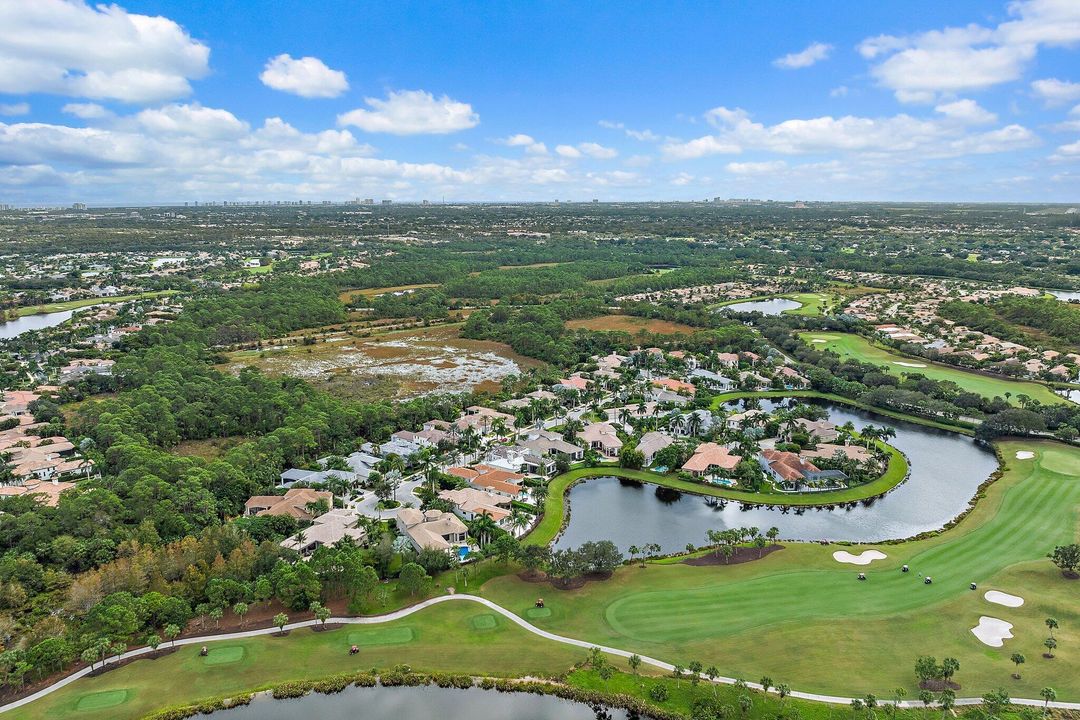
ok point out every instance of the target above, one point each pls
(1065, 295)
(392, 703)
(946, 469)
(26, 323)
(773, 306)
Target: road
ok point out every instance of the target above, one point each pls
(405, 612)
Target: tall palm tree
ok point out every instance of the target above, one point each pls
(483, 528)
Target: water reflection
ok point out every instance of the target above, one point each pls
(26, 323)
(946, 469)
(775, 306)
(394, 703)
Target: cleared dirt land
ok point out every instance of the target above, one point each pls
(632, 325)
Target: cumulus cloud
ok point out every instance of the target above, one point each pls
(412, 112)
(888, 136)
(813, 53)
(526, 141)
(586, 149)
(643, 135)
(966, 111)
(14, 108)
(307, 77)
(86, 111)
(102, 51)
(1056, 92)
(193, 121)
(976, 57)
(755, 168)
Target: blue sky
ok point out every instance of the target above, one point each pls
(146, 102)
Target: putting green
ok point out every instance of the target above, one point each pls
(855, 346)
(224, 655)
(536, 612)
(382, 636)
(102, 700)
(486, 621)
(749, 618)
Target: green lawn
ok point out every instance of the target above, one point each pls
(88, 302)
(449, 642)
(814, 303)
(803, 618)
(858, 347)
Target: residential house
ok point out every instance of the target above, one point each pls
(710, 459)
(652, 443)
(492, 479)
(327, 529)
(297, 502)
(750, 418)
(821, 431)
(791, 471)
(432, 530)
(470, 503)
(602, 437)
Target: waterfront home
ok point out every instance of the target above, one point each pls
(652, 443)
(602, 437)
(711, 459)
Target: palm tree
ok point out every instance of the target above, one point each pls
(483, 528)
(634, 550)
(1051, 625)
(518, 519)
(1050, 644)
(1018, 660)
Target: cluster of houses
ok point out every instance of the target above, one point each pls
(39, 466)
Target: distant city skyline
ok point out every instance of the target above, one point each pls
(155, 102)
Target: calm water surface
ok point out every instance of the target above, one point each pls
(40, 321)
(1065, 295)
(404, 703)
(946, 469)
(775, 306)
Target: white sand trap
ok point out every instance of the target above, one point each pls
(864, 558)
(992, 632)
(1005, 599)
(1024, 454)
(819, 340)
(908, 364)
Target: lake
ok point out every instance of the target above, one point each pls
(946, 469)
(1065, 295)
(773, 306)
(395, 703)
(26, 323)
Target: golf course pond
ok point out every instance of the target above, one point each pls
(392, 703)
(39, 321)
(946, 469)
(772, 306)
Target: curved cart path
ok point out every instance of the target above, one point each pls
(521, 622)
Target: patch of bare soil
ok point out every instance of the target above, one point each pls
(742, 555)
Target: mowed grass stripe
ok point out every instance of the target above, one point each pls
(1034, 512)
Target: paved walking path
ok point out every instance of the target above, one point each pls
(405, 612)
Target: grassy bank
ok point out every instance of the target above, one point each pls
(990, 386)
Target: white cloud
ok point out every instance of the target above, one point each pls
(839, 91)
(966, 111)
(194, 121)
(682, 179)
(86, 111)
(526, 141)
(1056, 92)
(412, 112)
(586, 149)
(643, 135)
(756, 168)
(889, 136)
(71, 48)
(1067, 152)
(14, 109)
(925, 66)
(813, 53)
(307, 77)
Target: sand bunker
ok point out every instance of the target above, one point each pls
(819, 340)
(991, 631)
(864, 558)
(909, 364)
(1024, 454)
(1005, 599)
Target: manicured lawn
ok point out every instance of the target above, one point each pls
(858, 347)
(224, 655)
(804, 619)
(382, 635)
(449, 642)
(812, 303)
(87, 302)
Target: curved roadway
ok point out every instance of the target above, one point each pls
(405, 612)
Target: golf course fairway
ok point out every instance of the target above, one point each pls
(804, 619)
(849, 345)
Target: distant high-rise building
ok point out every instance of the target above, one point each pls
(387, 202)
(78, 206)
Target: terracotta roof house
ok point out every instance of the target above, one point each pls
(470, 503)
(674, 385)
(792, 471)
(492, 479)
(294, 503)
(652, 443)
(710, 458)
(47, 493)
